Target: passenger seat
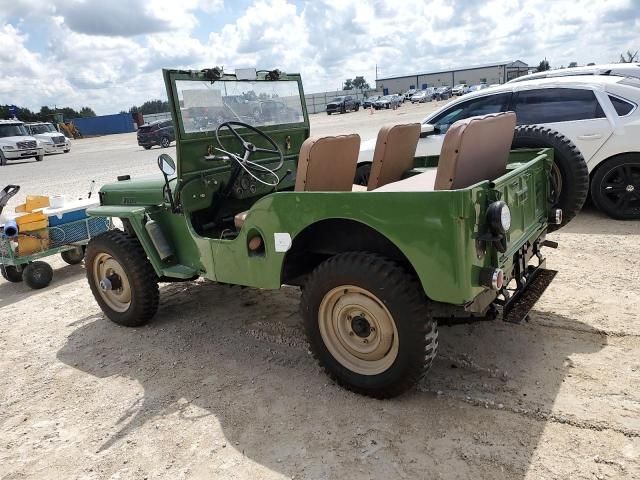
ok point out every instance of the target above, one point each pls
(325, 164)
(474, 149)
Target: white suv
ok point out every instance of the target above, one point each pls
(52, 140)
(599, 114)
(16, 144)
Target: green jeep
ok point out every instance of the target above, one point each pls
(266, 205)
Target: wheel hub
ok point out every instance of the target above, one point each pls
(630, 188)
(361, 326)
(113, 283)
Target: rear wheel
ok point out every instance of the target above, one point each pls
(74, 256)
(569, 175)
(368, 324)
(615, 187)
(39, 158)
(121, 278)
(11, 273)
(37, 274)
(3, 160)
(165, 142)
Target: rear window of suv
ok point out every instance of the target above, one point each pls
(622, 106)
(551, 105)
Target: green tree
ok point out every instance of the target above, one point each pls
(360, 83)
(348, 84)
(543, 66)
(629, 57)
(87, 112)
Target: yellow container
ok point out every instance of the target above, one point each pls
(31, 222)
(34, 242)
(33, 203)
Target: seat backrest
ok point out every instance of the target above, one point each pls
(394, 153)
(475, 149)
(328, 164)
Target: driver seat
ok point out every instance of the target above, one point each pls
(325, 164)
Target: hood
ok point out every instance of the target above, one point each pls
(145, 190)
(13, 140)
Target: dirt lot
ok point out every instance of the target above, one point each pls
(221, 384)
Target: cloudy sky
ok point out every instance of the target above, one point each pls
(107, 54)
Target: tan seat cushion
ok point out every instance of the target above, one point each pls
(325, 164)
(328, 164)
(475, 149)
(423, 182)
(394, 153)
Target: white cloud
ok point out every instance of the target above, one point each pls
(108, 54)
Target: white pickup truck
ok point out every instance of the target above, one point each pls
(52, 140)
(16, 144)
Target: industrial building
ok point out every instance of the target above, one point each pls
(490, 73)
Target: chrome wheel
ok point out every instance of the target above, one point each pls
(358, 330)
(114, 286)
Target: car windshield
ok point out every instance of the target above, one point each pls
(13, 130)
(205, 105)
(338, 99)
(37, 129)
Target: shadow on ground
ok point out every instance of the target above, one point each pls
(239, 355)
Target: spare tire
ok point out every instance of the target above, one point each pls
(570, 176)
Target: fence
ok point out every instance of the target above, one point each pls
(317, 102)
(152, 117)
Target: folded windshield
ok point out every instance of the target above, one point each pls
(203, 105)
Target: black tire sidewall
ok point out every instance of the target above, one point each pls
(596, 185)
(569, 161)
(162, 142)
(10, 273)
(126, 250)
(409, 318)
(37, 275)
(70, 256)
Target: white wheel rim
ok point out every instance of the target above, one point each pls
(105, 266)
(358, 330)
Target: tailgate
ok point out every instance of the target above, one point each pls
(525, 189)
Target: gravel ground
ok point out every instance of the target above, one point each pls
(221, 384)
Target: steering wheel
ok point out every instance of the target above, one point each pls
(251, 168)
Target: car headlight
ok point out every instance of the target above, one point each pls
(8, 147)
(499, 217)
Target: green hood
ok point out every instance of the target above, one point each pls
(142, 191)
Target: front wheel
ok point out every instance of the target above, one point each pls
(368, 323)
(39, 158)
(165, 142)
(121, 278)
(37, 275)
(615, 187)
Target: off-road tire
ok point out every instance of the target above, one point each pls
(37, 275)
(11, 273)
(401, 294)
(39, 158)
(165, 142)
(362, 174)
(599, 199)
(128, 252)
(570, 163)
(75, 256)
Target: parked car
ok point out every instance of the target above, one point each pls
(477, 87)
(599, 114)
(343, 104)
(17, 144)
(421, 96)
(615, 69)
(160, 132)
(386, 101)
(51, 140)
(459, 89)
(369, 101)
(442, 93)
(409, 93)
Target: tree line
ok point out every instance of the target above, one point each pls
(45, 114)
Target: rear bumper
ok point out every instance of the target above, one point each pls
(334, 108)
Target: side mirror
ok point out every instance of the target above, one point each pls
(427, 129)
(166, 164)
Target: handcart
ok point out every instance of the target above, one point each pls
(20, 253)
